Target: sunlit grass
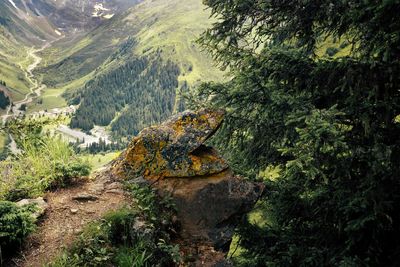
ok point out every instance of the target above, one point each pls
(175, 31)
(98, 161)
(50, 98)
(42, 164)
(2, 142)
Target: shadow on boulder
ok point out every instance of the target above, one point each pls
(209, 198)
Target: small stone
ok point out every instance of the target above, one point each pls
(96, 188)
(74, 211)
(114, 186)
(140, 181)
(115, 191)
(85, 197)
(139, 225)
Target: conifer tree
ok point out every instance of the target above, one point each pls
(327, 122)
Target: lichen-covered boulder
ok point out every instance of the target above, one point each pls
(175, 148)
(172, 158)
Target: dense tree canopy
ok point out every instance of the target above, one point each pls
(327, 123)
(136, 94)
(4, 100)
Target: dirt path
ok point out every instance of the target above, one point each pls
(69, 211)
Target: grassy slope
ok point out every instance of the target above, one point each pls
(99, 160)
(332, 43)
(12, 55)
(2, 142)
(174, 26)
(50, 99)
(170, 25)
(19, 31)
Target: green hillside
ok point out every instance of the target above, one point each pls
(156, 32)
(12, 56)
(20, 29)
(174, 27)
(166, 25)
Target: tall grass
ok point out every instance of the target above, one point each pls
(44, 163)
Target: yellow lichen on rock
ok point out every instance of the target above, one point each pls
(208, 196)
(175, 148)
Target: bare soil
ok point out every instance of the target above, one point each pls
(66, 217)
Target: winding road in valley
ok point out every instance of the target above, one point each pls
(36, 88)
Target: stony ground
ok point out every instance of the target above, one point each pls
(69, 211)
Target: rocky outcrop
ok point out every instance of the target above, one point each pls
(173, 158)
(39, 203)
(175, 148)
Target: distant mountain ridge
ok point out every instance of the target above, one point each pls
(46, 19)
(33, 23)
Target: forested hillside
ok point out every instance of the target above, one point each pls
(148, 52)
(141, 91)
(25, 24)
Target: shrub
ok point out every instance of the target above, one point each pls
(65, 173)
(93, 251)
(344, 44)
(15, 224)
(136, 256)
(120, 226)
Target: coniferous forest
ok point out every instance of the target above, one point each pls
(4, 99)
(142, 92)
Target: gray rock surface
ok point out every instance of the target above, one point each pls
(40, 204)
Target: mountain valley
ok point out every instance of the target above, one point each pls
(197, 133)
(131, 59)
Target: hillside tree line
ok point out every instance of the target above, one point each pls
(136, 94)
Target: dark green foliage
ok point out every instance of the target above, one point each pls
(136, 256)
(143, 90)
(4, 21)
(328, 123)
(4, 100)
(102, 146)
(65, 173)
(157, 212)
(331, 51)
(92, 248)
(23, 107)
(4, 153)
(344, 44)
(15, 224)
